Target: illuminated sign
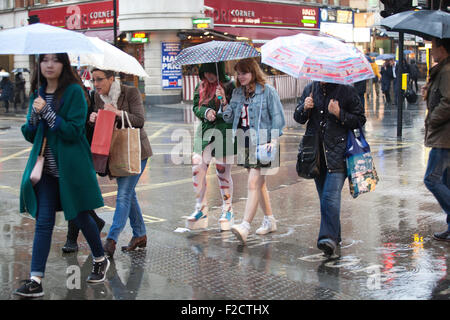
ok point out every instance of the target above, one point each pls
(202, 23)
(139, 37)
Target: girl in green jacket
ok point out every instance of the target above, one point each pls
(211, 141)
(57, 115)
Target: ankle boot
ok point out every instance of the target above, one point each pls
(109, 247)
(135, 242)
(70, 246)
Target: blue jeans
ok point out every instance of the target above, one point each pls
(127, 206)
(48, 199)
(437, 178)
(329, 186)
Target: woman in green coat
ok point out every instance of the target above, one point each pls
(57, 115)
(211, 140)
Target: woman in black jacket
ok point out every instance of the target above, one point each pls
(330, 111)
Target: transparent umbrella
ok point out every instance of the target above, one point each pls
(40, 38)
(111, 58)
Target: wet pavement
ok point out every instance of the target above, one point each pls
(387, 250)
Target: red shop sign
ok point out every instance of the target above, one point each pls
(75, 17)
(270, 15)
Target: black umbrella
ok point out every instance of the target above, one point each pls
(424, 23)
(20, 70)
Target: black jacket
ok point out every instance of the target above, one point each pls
(333, 134)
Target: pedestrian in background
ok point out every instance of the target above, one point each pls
(6, 91)
(255, 107)
(112, 96)
(19, 90)
(386, 78)
(330, 111)
(360, 87)
(374, 82)
(57, 113)
(437, 129)
(414, 75)
(206, 107)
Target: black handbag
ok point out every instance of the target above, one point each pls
(410, 95)
(308, 161)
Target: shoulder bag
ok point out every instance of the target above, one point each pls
(36, 173)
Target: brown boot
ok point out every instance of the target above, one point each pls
(109, 247)
(135, 242)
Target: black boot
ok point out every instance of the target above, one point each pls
(99, 221)
(72, 235)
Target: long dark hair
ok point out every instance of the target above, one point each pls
(68, 76)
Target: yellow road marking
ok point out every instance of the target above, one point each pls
(151, 219)
(157, 133)
(14, 155)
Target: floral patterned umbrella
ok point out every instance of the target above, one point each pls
(317, 58)
(215, 51)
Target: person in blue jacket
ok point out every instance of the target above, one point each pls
(257, 116)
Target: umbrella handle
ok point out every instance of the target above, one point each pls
(218, 81)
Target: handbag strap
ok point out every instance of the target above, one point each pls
(259, 119)
(44, 143)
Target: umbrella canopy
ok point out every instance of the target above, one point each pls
(111, 58)
(385, 56)
(424, 23)
(317, 58)
(16, 70)
(4, 74)
(40, 38)
(215, 51)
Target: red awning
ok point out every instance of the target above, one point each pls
(263, 33)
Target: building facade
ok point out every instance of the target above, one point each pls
(155, 31)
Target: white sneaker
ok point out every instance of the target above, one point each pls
(240, 231)
(197, 220)
(226, 220)
(268, 225)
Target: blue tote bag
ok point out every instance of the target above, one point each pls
(362, 176)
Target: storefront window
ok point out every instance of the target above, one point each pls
(6, 4)
(37, 1)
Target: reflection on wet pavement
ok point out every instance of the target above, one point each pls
(387, 250)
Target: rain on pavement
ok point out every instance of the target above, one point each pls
(387, 250)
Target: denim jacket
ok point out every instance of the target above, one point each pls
(267, 101)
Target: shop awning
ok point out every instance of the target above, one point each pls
(263, 34)
(105, 35)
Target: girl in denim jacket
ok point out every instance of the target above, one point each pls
(257, 116)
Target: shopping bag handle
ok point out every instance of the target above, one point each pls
(128, 119)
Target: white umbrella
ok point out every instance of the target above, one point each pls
(111, 58)
(40, 38)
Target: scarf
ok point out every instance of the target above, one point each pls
(113, 94)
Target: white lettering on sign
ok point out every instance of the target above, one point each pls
(242, 13)
(308, 12)
(101, 14)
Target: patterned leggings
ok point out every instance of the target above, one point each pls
(200, 165)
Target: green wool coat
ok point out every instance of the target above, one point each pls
(78, 186)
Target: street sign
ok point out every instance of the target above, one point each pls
(171, 75)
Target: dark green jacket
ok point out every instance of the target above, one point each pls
(205, 132)
(78, 186)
